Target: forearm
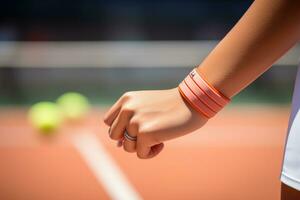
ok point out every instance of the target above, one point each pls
(267, 30)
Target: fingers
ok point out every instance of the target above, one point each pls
(132, 130)
(146, 147)
(129, 146)
(113, 112)
(145, 152)
(118, 129)
(142, 149)
(118, 126)
(123, 117)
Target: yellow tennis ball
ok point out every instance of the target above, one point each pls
(45, 116)
(73, 105)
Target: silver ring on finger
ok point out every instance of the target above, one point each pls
(129, 137)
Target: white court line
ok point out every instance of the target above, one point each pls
(104, 167)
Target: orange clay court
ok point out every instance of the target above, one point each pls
(237, 154)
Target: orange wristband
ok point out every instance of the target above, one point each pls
(201, 95)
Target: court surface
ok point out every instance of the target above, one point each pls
(237, 155)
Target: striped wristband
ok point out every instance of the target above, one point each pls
(201, 95)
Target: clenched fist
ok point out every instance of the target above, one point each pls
(150, 118)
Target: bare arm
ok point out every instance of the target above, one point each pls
(266, 31)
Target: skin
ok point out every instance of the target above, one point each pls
(267, 30)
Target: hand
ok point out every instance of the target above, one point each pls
(153, 117)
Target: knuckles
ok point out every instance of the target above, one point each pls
(136, 126)
(135, 122)
(143, 131)
(126, 109)
(127, 95)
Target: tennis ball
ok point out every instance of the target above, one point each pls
(73, 105)
(45, 116)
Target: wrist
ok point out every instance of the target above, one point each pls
(201, 95)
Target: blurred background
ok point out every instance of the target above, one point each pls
(104, 48)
